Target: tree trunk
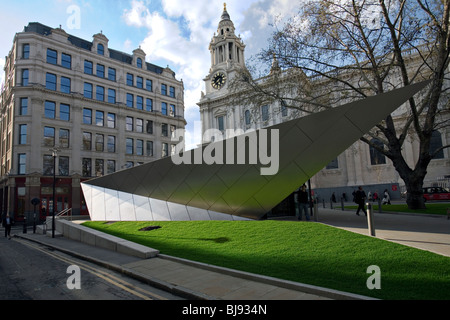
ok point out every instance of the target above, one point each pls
(413, 181)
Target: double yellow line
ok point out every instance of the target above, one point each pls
(120, 283)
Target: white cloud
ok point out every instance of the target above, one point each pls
(180, 34)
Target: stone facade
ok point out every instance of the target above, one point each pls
(104, 110)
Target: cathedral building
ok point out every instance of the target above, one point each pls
(359, 165)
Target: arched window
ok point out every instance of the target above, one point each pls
(139, 63)
(100, 49)
(247, 117)
(376, 157)
(435, 144)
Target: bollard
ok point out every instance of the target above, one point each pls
(316, 218)
(342, 203)
(370, 219)
(24, 224)
(379, 205)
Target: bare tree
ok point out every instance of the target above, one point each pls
(336, 51)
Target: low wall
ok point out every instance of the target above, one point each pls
(99, 239)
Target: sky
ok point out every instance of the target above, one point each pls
(174, 33)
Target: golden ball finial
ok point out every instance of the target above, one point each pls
(224, 6)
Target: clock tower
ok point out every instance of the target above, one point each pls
(227, 53)
(227, 56)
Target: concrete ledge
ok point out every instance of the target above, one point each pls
(99, 239)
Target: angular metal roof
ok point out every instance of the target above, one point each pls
(304, 146)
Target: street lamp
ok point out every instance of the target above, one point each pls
(54, 155)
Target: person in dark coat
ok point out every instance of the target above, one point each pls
(360, 197)
(7, 223)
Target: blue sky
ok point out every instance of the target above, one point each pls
(174, 33)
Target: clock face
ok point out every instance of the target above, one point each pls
(218, 80)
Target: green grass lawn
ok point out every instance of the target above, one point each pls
(431, 208)
(305, 252)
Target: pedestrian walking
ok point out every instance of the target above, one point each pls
(360, 197)
(303, 203)
(7, 223)
(386, 197)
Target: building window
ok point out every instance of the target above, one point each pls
(149, 148)
(172, 110)
(172, 92)
(111, 144)
(88, 90)
(164, 108)
(247, 117)
(87, 116)
(52, 56)
(148, 104)
(139, 125)
(99, 118)
(100, 71)
(376, 157)
(164, 89)
(23, 106)
(139, 82)
(334, 164)
(26, 51)
(88, 67)
(173, 130)
(25, 77)
(100, 49)
(220, 123)
(86, 167)
(165, 150)
(63, 166)
(139, 63)
(63, 138)
(87, 141)
(149, 85)
(139, 103)
(284, 111)
(50, 81)
(64, 112)
(129, 124)
(65, 85)
(140, 147)
(23, 134)
(149, 127)
(99, 142)
(49, 136)
(111, 120)
(435, 144)
(130, 81)
(22, 163)
(48, 165)
(50, 109)
(100, 93)
(164, 129)
(110, 166)
(129, 146)
(112, 74)
(129, 164)
(130, 100)
(265, 113)
(111, 96)
(99, 167)
(66, 61)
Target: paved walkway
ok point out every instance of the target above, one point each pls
(424, 232)
(201, 281)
